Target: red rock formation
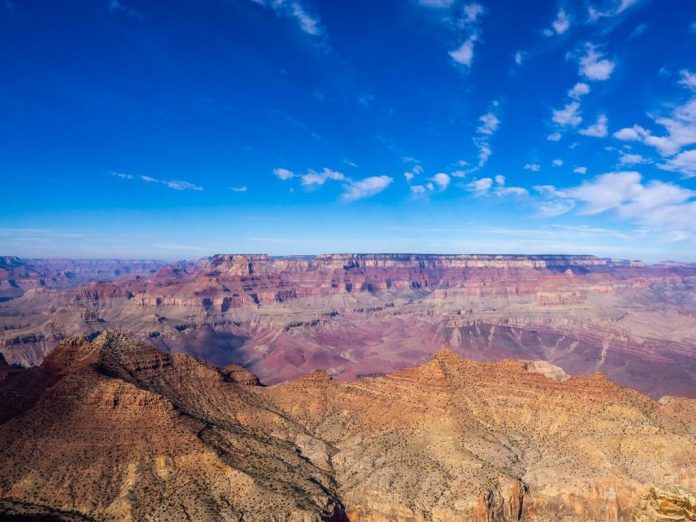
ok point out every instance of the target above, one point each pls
(116, 430)
(368, 314)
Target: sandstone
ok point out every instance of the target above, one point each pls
(112, 429)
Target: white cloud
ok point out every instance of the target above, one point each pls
(466, 19)
(365, 188)
(580, 170)
(555, 208)
(409, 176)
(625, 192)
(519, 57)
(568, 115)
(464, 54)
(173, 184)
(561, 24)
(308, 22)
(238, 189)
(688, 79)
(534, 167)
(635, 133)
(439, 181)
(512, 191)
(579, 90)
(554, 136)
(283, 174)
(489, 124)
(480, 185)
(319, 178)
(598, 130)
(618, 7)
(472, 12)
(442, 180)
(631, 159)
(594, 66)
(680, 130)
(484, 153)
(664, 207)
(441, 4)
(495, 186)
(557, 162)
(684, 162)
(122, 175)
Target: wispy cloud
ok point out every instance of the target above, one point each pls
(560, 24)
(238, 189)
(534, 167)
(173, 184)
(365, 188)
(684, 162)
(597, 130)
(519, 57)
(654, 204)
(308, 22)
(116, 6)
(616, 8)
(352, 189)
(319, 178)
(489, 124)
(494, 186)
(466, 19)
(680, 127)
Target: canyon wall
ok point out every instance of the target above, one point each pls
(368, 314)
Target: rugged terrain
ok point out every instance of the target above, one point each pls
(369, 314)
(113, 429)
(19, 275)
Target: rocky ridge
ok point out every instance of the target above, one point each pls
(113, 429)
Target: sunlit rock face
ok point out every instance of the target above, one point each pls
(113, 429)
(356, 315)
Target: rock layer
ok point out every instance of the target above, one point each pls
(369, 314)
(113, 429)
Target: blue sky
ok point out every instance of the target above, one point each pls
(138, 129)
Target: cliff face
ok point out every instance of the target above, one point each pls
(368, 314)
(115, 430)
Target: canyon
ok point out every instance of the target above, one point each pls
(366, 315)
(114, 429)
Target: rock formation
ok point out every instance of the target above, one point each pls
(369, 314)
(113, 429)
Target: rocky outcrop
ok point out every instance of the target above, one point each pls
(666, 504)
(112, 429)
